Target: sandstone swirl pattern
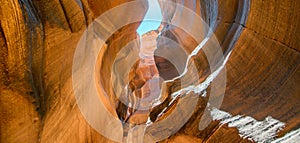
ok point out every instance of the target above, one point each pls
(38, 40)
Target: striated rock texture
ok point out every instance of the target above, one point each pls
(38, 40)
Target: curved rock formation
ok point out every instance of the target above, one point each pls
(259, 38)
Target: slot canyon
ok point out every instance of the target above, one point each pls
(216, 71)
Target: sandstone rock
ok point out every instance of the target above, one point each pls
(38, 40)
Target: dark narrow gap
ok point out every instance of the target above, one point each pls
(66, 15)
(85, 11)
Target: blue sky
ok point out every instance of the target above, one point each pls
(152, 18)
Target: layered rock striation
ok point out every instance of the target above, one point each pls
(259, 41)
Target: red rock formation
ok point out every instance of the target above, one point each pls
(38, 40)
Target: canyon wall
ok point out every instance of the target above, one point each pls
(38, 40)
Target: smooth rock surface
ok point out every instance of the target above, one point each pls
(38, 40)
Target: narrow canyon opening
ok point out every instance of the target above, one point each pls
(82, 71)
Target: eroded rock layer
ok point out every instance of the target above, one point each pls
(38, 40)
